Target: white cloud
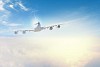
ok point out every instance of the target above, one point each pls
(95, 62)
(14, 24)
(44, 51)
(6, 1)
(4, 20)
(11, 6)
(22, 6)
(10, 24)
(5, 14)
(1, 5)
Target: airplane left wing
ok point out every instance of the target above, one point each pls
(52, 26)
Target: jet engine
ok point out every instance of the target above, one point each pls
(50, 28)
(58, 26)
(24, 32)
(15, 32)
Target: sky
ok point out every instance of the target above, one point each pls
(75, 44)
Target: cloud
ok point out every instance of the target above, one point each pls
(18, 4)
(5, 14)
(6, 7)
(44, 51)
(4, 20)
(6, 1)
(10, 24)
(22, 6)
(95, 62)
(25, 54)
(12, 6)
(1, 5)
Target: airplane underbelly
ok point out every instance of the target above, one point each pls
(37, 29)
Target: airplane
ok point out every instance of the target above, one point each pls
(38, 28)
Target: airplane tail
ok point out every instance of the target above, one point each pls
(38, 24)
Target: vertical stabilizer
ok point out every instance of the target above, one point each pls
(39, 25)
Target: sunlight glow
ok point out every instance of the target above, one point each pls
(72, 51)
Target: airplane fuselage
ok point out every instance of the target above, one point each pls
(37, 29)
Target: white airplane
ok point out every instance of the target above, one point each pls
(38, 28)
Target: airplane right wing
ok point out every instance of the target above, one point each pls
(23, 31)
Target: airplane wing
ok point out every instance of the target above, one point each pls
(23, 31)
(52, 26)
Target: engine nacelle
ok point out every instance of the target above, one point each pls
(58, 26)
(50, 28)
(15, 32)
(24, 32)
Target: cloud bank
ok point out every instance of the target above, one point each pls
(47, 51)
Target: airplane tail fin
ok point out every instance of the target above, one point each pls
(38, 24)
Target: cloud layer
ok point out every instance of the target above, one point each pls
(47, 51)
